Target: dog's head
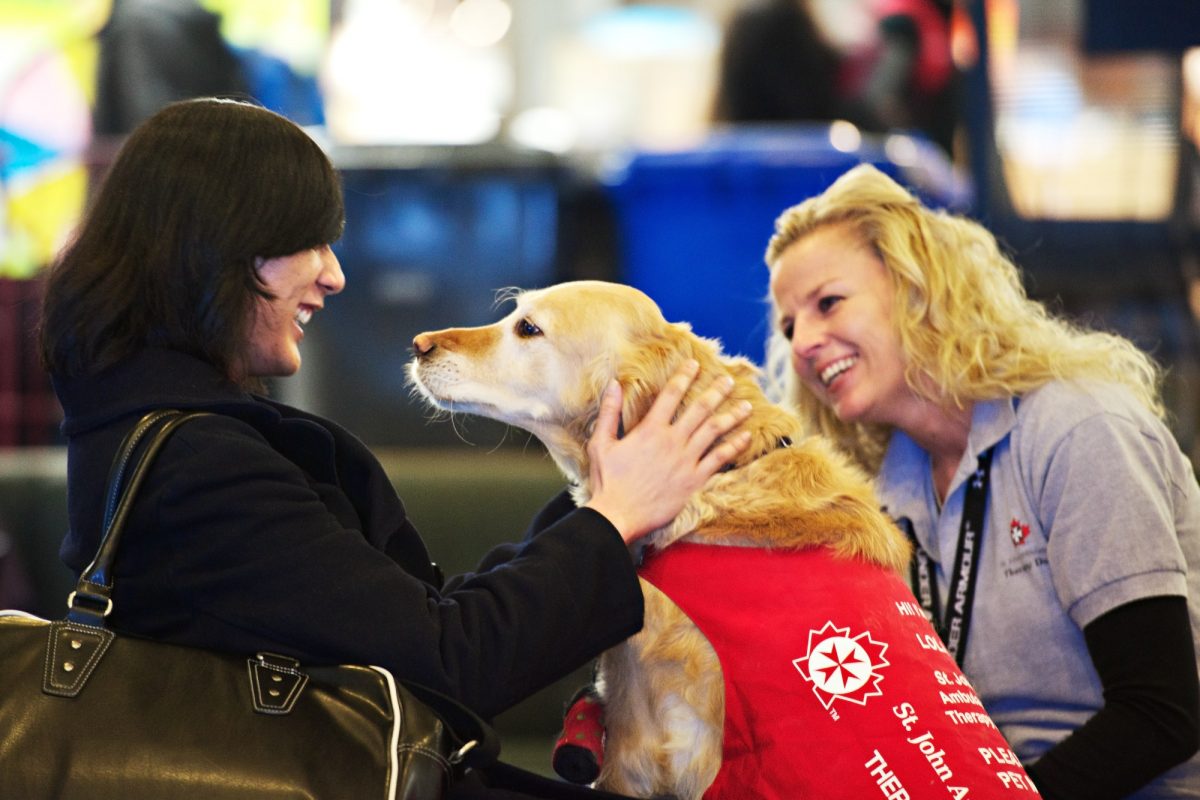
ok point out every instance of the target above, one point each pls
(545, 365)
(544, 368)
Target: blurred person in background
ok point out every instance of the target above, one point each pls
(776, 66)
(154, 52)
(907, 79)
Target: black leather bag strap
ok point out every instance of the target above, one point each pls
(91, 601)
(464, 723)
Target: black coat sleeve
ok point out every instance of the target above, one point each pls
(234, 547)
(1145, 657)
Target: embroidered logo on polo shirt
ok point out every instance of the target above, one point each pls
(841, 666)
(1018, 532)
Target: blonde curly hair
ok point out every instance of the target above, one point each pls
(964, 321)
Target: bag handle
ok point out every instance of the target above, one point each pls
(482, 742)
(96, 582)
(91, 601)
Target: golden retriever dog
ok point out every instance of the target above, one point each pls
(543, 368)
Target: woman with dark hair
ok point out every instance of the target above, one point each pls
(170, 250)
(264, 528)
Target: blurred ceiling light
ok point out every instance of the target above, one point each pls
(844, 136)
(393, 75)
(425, 10)
(544, 128)
(650, 31)
(481, 23)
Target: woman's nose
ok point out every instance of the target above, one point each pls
(332, 279)
(806, 340)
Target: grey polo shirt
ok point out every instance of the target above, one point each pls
(1091, 505)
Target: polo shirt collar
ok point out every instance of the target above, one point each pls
(991, 421)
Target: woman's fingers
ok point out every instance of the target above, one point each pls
(666, 405)
(642, 481)
(725, 452)
(700, 411)
(608, 421)
(697, 424)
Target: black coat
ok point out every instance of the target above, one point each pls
(266, 528)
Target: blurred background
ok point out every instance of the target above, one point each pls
(495, 143)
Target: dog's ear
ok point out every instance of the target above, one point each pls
(595, 379)
(643, 364)
(649, 361)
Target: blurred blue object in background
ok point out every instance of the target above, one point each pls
(692, 226)
(277, 86)
(431, 234)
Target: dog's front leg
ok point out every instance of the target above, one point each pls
(664, 707)
(629, 727)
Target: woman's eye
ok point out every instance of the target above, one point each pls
(826, 303)
(526, 329)
(787, 327)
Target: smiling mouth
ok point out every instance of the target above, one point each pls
(831, 372)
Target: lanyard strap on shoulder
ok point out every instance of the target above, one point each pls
(955, 623)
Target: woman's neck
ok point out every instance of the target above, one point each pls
(942, 432)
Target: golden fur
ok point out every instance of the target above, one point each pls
(543, 368)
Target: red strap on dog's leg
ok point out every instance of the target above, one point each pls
(579, 750)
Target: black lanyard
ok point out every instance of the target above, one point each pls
(954, 624)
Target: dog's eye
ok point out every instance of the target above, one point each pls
(526, 329)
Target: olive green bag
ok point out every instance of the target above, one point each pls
(89, 713)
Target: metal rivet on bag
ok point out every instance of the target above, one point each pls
(76, 644)
(277, 678)
(273, 692)
(68, 666)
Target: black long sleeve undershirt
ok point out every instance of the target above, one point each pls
(1146, 661)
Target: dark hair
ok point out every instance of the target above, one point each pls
(775, 66)
(165, 255)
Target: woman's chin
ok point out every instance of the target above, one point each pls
(846, 410)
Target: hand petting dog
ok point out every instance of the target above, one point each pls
(619, 466)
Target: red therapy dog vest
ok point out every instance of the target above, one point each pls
(836, 686)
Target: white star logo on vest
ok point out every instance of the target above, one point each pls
(842, 667)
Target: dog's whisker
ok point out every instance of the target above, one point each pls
(433, 414)
(454, 426)
(529, 440)
(505, 295)
(500, 443)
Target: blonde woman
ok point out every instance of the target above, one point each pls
(1057, 522)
